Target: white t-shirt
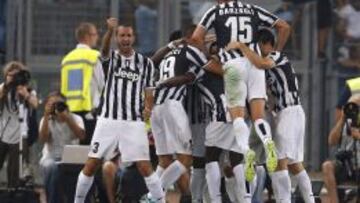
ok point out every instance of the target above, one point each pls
(9, 127)
(60, 135)
(352, 18)
(9, 124)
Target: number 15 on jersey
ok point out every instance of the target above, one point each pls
(241, 29)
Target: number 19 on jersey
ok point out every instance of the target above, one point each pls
(167, 68)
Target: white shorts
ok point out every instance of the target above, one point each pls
(198, 139)
(222, 135)
(243, 82)
(290, 134)
(127, 137)
(171, 129)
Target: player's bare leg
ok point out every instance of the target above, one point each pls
(184, 180)
(303, 181)
(109, 170)
(263, 130)
(85, 179)
(328, 169)
(175, 170)
(152, 181)
(164, 162)
(91, 166)
(144, 167)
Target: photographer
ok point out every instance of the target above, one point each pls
(58, 127)
(345, 134)
(14, 92)
(351, 88)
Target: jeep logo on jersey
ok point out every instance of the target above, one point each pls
(127, 75)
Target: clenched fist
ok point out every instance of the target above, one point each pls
(112, 23)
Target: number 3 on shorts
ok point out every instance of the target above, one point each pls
(95, 148)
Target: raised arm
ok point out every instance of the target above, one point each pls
(269, 20)
(28, 95)
(254, 58)
(205, 24)
(335, 133)
(1, 90)
(198, 37)
(111, 23)
(33, 100)
(44, 131)
(78, 130)
(283, 32)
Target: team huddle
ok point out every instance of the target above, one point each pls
(203, 97)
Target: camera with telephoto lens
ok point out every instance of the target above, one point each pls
(351, 112)
(20, 78)
(59, 107)
(343, 155)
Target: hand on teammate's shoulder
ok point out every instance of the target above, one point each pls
(233, 45)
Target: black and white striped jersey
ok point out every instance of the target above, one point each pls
(179, 61)
(282, 82)
(127, 77)
(225, 56)
(194, 104)
(236, 21)
(212, 90)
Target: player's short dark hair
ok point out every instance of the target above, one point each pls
(265, 36)
(176, 34)
(82, 30)
(126, 25)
